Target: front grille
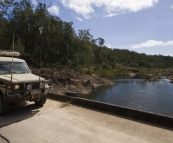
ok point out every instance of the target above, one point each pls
(35, 85)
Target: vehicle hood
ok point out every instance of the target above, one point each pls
(17, 78)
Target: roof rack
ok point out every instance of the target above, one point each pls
(9, 53)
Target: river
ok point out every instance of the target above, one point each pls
(155, 97)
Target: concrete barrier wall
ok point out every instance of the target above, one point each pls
(160, 120)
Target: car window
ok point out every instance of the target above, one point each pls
(18, 67)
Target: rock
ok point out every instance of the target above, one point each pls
(65, 79)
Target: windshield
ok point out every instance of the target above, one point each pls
(18, 67)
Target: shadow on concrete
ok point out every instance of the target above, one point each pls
(18, 113)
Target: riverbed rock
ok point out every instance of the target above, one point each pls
(65, 79)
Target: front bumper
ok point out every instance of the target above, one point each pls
(35, 93)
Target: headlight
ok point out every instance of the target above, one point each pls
(29, 87)
(49, 82)
(46, 86)
(9, 87)
(16, 87)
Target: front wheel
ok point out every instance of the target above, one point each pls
(4, 106)
(41, 101)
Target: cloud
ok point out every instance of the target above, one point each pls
(111, 7)
(78, 18)
(81, 7)
(171, 6)
(54, 10)
(108, 45)
(111, 15)
(152, 43)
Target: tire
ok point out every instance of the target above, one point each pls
(4, 106)
(41, 101)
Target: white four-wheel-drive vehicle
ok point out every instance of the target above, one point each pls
(18, 84)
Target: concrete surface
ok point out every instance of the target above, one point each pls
(64, 123)
(2, 140)
(143, 116)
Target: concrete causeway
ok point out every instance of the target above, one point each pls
(147, 117)
(64, 123)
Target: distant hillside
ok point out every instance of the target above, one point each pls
(133, 59)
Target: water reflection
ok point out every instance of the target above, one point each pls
(139, 94)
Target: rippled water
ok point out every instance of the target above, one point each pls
(156, 97)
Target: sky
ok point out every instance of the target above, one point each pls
(143, 26)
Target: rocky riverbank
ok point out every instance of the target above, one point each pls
(65, 79)
(68, 79)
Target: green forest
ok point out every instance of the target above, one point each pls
(61, 44)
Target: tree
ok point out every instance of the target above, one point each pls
(100, 41)
(84, 35)
(4, 6)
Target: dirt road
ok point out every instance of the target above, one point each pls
(57, 122)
